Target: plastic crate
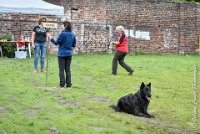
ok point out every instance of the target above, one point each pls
(20, 54)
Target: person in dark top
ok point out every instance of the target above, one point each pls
(121, 51)
(39, 43)
(66, 41)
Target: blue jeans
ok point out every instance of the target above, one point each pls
(40, 50)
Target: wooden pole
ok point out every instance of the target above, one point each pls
(198, 49)
(199, 45)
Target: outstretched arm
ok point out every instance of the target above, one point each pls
(58, 41)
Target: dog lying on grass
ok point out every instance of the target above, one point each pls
(137, 103)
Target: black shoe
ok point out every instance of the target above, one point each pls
(114, 73)
(68, 86)
(131, 72)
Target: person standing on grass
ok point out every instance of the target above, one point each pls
(121, 51)
(39, 40)
(66, 41)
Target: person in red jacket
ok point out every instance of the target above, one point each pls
(121, 51)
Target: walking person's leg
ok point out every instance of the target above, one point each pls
(61, 65)
(42, 55)
(36, 56)
(124, 65)
(68, 71)
(114, 62)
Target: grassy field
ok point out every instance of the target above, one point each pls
(27, 106)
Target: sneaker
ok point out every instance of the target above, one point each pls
(131, 72)
(43, 70)
(35, 71)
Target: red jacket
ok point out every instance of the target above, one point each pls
(122, 38)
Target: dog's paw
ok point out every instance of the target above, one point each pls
(149, 116)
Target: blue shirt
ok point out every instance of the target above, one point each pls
(66, 41)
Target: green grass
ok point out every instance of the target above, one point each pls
(27, 106)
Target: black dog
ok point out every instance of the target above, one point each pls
(137, 103)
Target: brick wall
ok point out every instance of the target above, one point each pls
(152, 26)
(19, 24)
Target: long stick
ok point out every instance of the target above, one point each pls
(48, 25)
(47, 66)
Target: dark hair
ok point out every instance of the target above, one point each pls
(67, 25)
(41, 20)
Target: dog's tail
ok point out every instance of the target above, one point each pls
(114, 107)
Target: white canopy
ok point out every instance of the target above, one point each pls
(30, 6)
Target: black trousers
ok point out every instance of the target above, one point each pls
(64, 64)
(119, 57)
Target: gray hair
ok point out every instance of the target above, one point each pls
(120, 28)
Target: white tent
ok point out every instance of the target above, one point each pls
(30, 6)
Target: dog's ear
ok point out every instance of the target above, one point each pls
(149, 85)
(142, 85)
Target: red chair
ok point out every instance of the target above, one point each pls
(21, 45)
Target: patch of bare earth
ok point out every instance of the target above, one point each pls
(3, 132)
(35, 81)
(166, 126)
(32, 112)
(101, 99)
(98, 128)
(53, 130)
(66, 102)
(2, 108)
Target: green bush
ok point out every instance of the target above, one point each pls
(8, 48)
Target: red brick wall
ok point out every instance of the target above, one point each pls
(151, 26)
(19, 24)
(154, 26)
